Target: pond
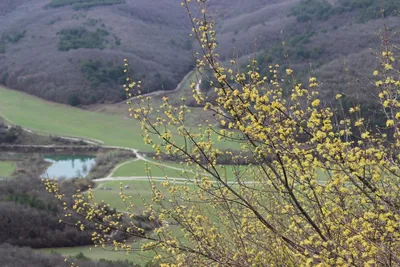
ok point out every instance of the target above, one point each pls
(67, 166)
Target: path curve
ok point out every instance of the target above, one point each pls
(119, 166)
(163, 179)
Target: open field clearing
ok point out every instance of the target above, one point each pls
(90, 252)
(140, 191)
(42, 116)
(98, 253)
(7, 168)
(46, 117)
(138, 180)
(113, 129)
(174, 170)
(150, 168)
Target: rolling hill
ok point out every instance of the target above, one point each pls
(71, 55)
(72, 51)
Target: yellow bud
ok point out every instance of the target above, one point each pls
(389, 123)
(315, 103)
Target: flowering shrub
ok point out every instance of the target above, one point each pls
(323, 189)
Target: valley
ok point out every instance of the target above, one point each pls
(77, 166)
(110, 128)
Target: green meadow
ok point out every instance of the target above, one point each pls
(7, 168)
(139, 191)
(98, 253)
(91, 252)
(140, 184)
(51, 118)
(57, 119)
(153, 169)
(162, 169)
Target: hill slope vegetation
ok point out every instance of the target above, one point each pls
(72, 51)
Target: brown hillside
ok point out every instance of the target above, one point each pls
(154, 36)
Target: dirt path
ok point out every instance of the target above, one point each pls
(198, 89)
(175, 180)
(119, 166)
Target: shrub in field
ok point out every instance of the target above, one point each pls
(9, 134)
(12, 37)
(323, 190)
(97, 72)
(79, 37)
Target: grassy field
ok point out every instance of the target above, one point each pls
(91, 252)
(98, 253)
(229, 172)
(140, 167)
(51, 118)
(145, 168)
(7, 168)
(46, 117)
(139, 191)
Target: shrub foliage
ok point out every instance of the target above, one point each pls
(97, 72)
(12, 37)
(79, 37)
(322, 191)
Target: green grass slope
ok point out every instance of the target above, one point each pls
(140, 167)
(39, 115)
(57, 119)
(6, 168)
(99, 253)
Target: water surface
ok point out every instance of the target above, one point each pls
(68, 166)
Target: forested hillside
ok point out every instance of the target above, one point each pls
(71, 51)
